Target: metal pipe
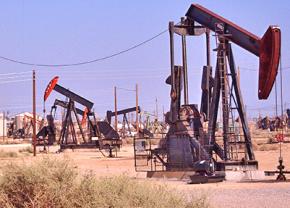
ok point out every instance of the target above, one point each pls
(137, 119)
(208, 72)
(207, 35)
(116, 113)
(276, 99)
(34, 112)
(282, 116)
(171, 36)
(184, 63)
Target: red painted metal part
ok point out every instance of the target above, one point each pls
(84, 119)
(269, 60)
(50, 87)
(266, 48)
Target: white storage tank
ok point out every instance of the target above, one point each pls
(3, 125)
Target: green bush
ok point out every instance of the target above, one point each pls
(55, 183)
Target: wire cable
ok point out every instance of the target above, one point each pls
(254, 69)
(15, 73)
(15, 77)
(15, 81)
(126, 89)
(89, 61)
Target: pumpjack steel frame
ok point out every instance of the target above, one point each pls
(187, 146)
(93, 129)
(125, 121)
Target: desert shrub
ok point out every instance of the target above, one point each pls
(55, 183)
(8, 154)
(43, 184)
(27, 149)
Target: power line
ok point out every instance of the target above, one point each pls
(13, 107)
(254, 70)
(15, 77)
(126, 89)
(89, 61)
(15, 81)
(111, 70)
(108, 78)
(15, 73)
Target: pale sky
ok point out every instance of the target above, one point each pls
(60, 32)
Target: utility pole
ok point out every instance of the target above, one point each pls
(137, 119)
(116, 115)
(163, 114)
(34, 112)
(156, 108)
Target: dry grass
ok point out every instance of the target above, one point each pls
(13, 141)
(128, 140)
(55, 183)
(5, 154)
(27, 149)
(268, 147)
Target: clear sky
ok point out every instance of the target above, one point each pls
(69, 31)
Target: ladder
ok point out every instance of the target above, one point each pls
(233, 142)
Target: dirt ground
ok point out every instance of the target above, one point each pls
(225, 194)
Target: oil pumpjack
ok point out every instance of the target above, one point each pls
(188, 145)
(101, 134)
(125, 121)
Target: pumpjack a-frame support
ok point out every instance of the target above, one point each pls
(68, 134)
(227, 88)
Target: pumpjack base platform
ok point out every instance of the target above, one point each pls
(191, 176)
(198, 179)
(111, 142)
(195, 178)
(106, 144)
(245, 176)
(78, 146)
(237, 165)
(177, 175)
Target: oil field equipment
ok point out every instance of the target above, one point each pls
(21, 126)
(93, 132)
(47, 135)
(125, 121)
(187, 145)
(101, 134)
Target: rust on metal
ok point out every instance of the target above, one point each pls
(50, 87)
(269, 60)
